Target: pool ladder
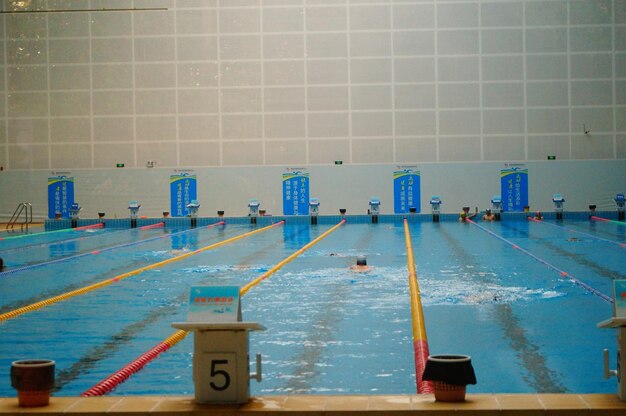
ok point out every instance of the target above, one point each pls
(22, 208)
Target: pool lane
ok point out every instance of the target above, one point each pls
(607, 230)
(579, 232)
(540, 377)
(596, 262)
(564, 274)
(333, 315)
(85, 251)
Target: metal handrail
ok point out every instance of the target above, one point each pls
(27, 209)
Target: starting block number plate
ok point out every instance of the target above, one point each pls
(220, 378)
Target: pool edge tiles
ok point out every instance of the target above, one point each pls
(501, 404)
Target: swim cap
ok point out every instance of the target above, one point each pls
(361, 261)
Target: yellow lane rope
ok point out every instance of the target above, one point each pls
(278, 266)
(420, 341)
(419, 328)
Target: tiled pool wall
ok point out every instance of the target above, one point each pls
(177, 222)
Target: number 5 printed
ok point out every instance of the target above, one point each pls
(220, 376)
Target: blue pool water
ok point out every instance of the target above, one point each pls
(329, 330)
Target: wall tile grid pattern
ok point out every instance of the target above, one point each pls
(291, 82)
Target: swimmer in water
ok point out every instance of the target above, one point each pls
(489, 216)
(361, 265)
(181, 251)
(465, 215)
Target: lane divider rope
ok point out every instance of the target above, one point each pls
(151, 226)
(38, 305)
(593, 217)
(112, 381)
(64, 230)
(95, 252)
(122, 375)
(561, 272)
(89, 227)
(278, 266)
(623, 245)
(58, 242)
(420, 340)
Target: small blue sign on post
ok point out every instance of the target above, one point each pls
(214, 304)
(296, 193)
(183, 190)
(514, 189)
(406, 191)
(60, 196)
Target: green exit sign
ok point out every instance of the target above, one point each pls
(551, 157)
(119, 165)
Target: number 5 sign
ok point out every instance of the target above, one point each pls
(222, 371)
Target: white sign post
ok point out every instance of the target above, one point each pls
(220, 361)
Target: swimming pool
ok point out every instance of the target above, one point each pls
(329, 330)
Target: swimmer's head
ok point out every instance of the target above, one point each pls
(361, 261)
(488, 211)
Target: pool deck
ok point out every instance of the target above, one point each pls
(424, 405)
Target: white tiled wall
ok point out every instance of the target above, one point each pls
(296, 82)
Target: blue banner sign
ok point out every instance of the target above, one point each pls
(296, 193)
(406, 191)
(514, 188)
(183, 190)
(60, 196)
